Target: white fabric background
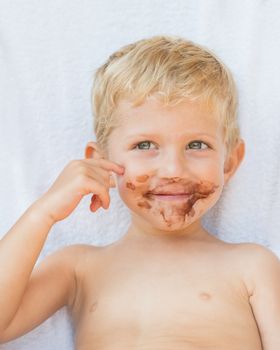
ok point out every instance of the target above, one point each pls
(48, 53)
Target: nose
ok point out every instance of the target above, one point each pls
(172, 164)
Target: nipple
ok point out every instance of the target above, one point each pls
(172, 212)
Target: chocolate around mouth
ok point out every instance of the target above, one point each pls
(171, 211)
(182, 208)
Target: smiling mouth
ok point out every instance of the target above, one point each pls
(170, 196)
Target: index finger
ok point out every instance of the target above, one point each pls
(111, 166)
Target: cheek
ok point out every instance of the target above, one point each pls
(135, 178)
(132, 187)
(211, 170)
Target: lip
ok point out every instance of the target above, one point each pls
(171, 197)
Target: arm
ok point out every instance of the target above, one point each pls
(265, 298)
(28, 298)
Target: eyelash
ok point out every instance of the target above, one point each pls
(139, 143)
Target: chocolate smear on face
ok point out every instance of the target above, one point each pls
(130, 186)
(171, 211)
(192, 212)
(144, 204)
(142, 178)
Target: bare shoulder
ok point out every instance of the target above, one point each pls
(257, 264)
(70, 254)
(77, 254)
(76, 250)
(74, 258)
(254, 252)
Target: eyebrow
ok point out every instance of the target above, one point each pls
(133, 136)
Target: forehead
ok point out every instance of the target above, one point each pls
(152, 117)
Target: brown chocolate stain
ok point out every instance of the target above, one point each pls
(161, 211)
(142, 178)
(130, 186)
(196, 191)
(144, 204)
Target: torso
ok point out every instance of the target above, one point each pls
(190, 298)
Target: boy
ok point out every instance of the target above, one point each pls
(168, 139)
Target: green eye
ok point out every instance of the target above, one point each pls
(143, 143)
(197, 143)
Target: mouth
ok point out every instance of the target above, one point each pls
(181, 197)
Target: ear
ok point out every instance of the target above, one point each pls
(233, 160)
(93, 151)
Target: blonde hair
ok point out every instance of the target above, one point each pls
(174, 68)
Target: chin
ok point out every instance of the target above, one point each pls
(172, 224)
(173, 218)
(163, 222)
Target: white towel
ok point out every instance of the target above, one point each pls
(48, 53)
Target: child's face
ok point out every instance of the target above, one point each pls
(180, 150)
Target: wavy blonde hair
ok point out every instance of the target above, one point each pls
(172, 67)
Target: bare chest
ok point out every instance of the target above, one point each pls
(163, 307)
